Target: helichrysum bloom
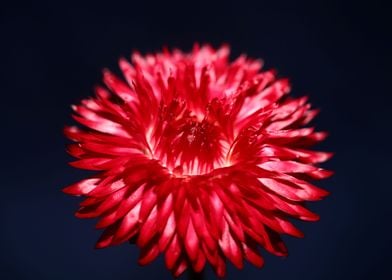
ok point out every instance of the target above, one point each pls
(198, 158)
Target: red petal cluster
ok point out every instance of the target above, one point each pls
(199, 158)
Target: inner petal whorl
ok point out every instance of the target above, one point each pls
(185, 144)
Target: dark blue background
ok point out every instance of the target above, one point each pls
(337, 52)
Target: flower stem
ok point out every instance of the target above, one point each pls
(193, 275)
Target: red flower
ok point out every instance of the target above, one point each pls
(199, 158)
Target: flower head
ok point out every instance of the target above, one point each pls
(199, 158)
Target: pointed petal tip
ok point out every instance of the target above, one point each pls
(273, 72)
(327, 174)
(71, 191)
(225, 45)
(260, 264)
(321, 174)
(148, 254)
(324, 193)
(122, 60)
(106, 72)
(319, 194)
(285, 85)
(322, 135)
(98, 246)
(310, 217)
(78, 215)
(101, 245)
(325, 156)
(69, 129)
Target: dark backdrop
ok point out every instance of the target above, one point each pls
(52, 54)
